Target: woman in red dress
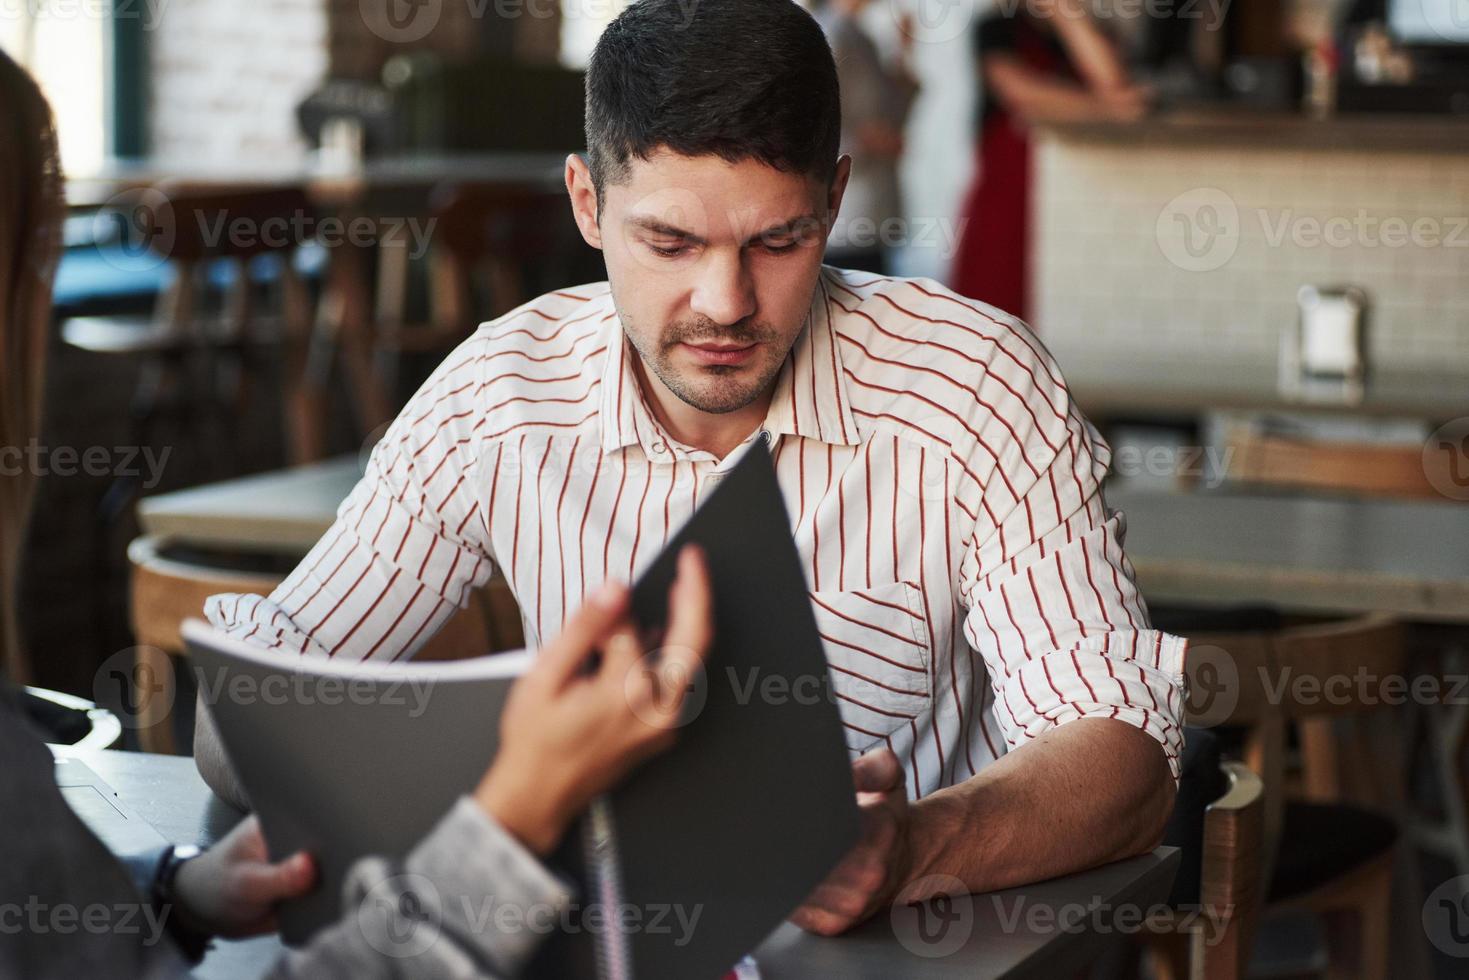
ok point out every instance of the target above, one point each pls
(1047, 61)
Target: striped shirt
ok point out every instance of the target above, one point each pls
(965, 573)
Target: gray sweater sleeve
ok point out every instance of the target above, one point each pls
(469, 901)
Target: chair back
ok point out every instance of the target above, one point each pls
(1232, 885)
(1359, 469)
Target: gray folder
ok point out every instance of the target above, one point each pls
(737, 823)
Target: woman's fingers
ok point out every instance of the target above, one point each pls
(583, 633)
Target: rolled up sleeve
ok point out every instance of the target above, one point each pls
(1054, 611)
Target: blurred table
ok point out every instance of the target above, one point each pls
(284, 512)
(1300, 553)
(1049, 929)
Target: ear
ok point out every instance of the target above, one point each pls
(838, 188)
(583, 199)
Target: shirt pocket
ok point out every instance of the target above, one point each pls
(877, 652)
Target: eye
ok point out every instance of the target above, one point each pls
(668, 252)
(781, 249)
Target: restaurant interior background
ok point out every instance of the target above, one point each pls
(1259, 292)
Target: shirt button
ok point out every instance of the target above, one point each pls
(659, 449)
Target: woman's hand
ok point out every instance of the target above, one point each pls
(232, 889)
(576, 724)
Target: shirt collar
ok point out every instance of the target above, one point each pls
(810, 398)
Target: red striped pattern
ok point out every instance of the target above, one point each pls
(966, 575)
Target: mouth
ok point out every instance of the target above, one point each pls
(721, 354)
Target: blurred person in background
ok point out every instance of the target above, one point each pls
(876, 98)
(1039, 61)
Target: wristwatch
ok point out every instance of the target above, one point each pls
(191, 943)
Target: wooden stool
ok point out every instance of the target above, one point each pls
(170, 584)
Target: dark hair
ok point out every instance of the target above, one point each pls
(740, 79)
(30, 240)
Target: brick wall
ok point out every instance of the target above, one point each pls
(1175, 252)
(226, 78)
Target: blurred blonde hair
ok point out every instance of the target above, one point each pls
(30, 243)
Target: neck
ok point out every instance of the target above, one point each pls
(717, 434)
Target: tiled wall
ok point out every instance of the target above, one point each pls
(1180, 252)
(226, 78)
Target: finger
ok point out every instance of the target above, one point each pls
(846, 903)
(583, 633)
(622, 652)
(291, 878)
(877, 772)
(820, 921)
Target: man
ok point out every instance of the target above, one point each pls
(1012, 714)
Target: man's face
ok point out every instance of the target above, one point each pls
(713, 266)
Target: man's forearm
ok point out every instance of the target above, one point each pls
(1084, 794)
(212, 762)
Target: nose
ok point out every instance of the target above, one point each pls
(724, 292)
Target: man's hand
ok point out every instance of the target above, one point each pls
(232, 889)
(872, 875)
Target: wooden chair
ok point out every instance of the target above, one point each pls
(1321, 853)
(209, 236)
(170, 585)
(1230, 893)
(486, 237)
(1361, 469)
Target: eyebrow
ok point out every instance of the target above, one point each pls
(653, 225)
